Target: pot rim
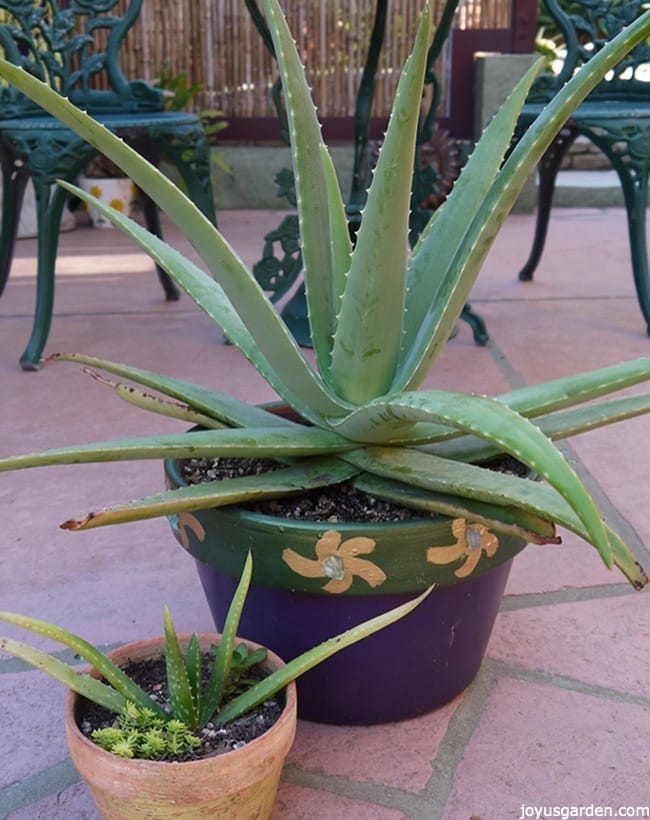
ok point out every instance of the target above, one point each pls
(287, 715)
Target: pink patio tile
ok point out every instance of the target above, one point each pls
(52, 573)
(360, 753)
(462, 365)
(582, 258)
(541, 746)
(620, 458)
(602, 642)
(548, 339)
(301, 803)
(549, 568)
(32, 736)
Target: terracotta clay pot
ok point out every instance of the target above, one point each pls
(238, 785)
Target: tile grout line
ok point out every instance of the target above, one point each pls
(460, 730)
(566, 595)
(412, 804)
(27, 792)
(502, 669)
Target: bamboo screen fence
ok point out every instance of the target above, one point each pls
(215, 44)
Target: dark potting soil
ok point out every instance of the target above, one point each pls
(150, 675)
(333, 504)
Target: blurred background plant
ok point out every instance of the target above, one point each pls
(179, 95)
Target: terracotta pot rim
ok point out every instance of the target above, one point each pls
(273, 660)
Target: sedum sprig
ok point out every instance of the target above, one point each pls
(140, 733)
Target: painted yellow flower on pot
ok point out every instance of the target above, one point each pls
(337, 560)
(183, 523)
(472, 540)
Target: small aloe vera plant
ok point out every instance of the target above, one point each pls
(379, 317)
(146, 729)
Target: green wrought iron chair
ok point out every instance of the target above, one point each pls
(615, 117)
(74, 46)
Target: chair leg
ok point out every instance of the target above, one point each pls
(14, 182)
(49, 207)
(548, 169)
(188, 149)
(619, 140)
(152, 221)
(477, 323)
(635, 205)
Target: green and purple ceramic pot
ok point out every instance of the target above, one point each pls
(313, 580)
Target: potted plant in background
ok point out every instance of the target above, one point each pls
(359, 420)
(106, 181)
(188, 726)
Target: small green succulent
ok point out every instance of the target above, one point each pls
(379, 317)
(139, 732)
(147, 730)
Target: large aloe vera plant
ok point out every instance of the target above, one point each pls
(379, 317)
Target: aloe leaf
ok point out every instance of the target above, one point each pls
(368, 337)
(432, 473)
(106, 668)
(427, 270)
(193, 670)
(321, 212)
(242, 290)
(463, 265)
(583, 419)
(559, 425)
(183, 705)
(508, 520)
(84, 685)
(308, 474)
(494, 422)
(545, 398)
(540, 399)
(156, 404)
(238, 442)
(627, 562)
(340, 242)
(277, 680)
(292, 378)
(220, 406)
(223, 658)
(568, 391)
(476, 483)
